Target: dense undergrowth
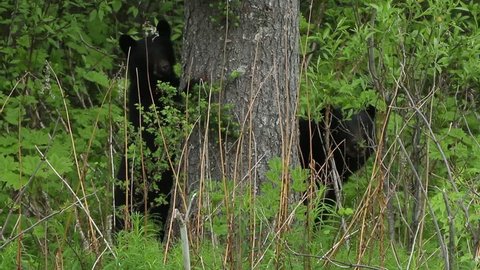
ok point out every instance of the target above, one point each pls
(414, 206)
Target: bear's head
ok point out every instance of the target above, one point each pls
(355, 136)
(152, 57)
(351, 140)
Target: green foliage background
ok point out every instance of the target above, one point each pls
(62, 87)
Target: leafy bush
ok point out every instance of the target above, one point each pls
(422, 59)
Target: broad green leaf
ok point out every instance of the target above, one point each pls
(97, 77)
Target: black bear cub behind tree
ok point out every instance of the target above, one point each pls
(337, 144)
(150, 60)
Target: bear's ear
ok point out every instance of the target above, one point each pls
(126, 42)
(163, 29)
(371, 110)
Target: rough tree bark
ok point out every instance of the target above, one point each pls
(258, 41)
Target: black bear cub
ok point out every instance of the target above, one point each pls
(149, 60)
(350, 143)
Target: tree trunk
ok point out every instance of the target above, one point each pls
(252, 54)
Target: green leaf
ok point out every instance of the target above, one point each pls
(12, 115)
(30, 165)
(61, 164)
(299, 175)
(97, 77)
(8, 172)
(345, 211)
(116, 5)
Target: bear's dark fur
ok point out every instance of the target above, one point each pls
(350, 142)
(149, 60)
